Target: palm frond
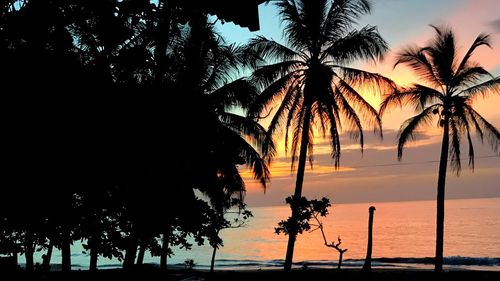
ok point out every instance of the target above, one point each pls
(334, 134)
(310, 147)
(409, 127)
(487, 129)
(361, 78)
(286, 105)
(442, 54)
(296, 105)
(417, 60)
(343, 14)
(350, 117)
(313, 15)
(454, 148)
(471, 146)
(481, 39)
(294, 31)
(366, 44)
(297, 133)
(240, 93)
(251, 130)
(266, 75)
(489, 87)
(361, 105)
(252, 158)
(221, 64)
(268, 50)
(332, 121)
(469, 75)
(418, 96)
(274, 92)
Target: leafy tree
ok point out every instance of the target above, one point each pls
(308, 209)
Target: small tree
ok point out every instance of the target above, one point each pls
(307, 210)
(220, 222)
(332, 244)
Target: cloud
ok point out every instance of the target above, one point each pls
(496, 25)
(377, 175)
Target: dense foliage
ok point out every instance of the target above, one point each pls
(99, 99)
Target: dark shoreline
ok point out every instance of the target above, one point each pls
(260, 275)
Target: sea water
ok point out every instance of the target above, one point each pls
(403, 237)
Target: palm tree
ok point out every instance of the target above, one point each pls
(207, 91)
(450, 87)
(310, 78)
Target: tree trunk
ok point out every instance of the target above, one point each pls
(66, 250)
(142, 251)
(48, 256)
(368, 260)
(28, 252)
(128, 261)
(304, 142)
(164, 250)
(212, 262)
(94, 244)
(15, 258)
(443, 165)
(340, 260)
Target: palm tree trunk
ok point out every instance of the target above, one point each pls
(443, 165)
(142, 251)
(368, 260)
(164, 250)
(304, 142)
(212, 262)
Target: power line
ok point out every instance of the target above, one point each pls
(416, 163)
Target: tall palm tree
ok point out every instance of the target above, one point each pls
(450, 87)
(310, 79)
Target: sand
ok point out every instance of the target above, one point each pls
(258, 275)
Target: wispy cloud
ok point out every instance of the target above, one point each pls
(496, 25)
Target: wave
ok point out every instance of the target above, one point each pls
(487, 263)
(377, 262)
(455, 260)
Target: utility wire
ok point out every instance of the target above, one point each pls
(415, 163)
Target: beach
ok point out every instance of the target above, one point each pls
(320, 274)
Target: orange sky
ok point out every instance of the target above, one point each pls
(376, 175)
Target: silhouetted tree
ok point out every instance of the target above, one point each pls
(331, 244)
(230, 218)
(210, 96)
(449, 87)
(99, 222)
(307, 210)
(367, 266)
(114, 82)
(311, 82)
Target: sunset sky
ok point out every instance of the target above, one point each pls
(376, 175)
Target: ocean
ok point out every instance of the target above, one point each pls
(403, 237)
